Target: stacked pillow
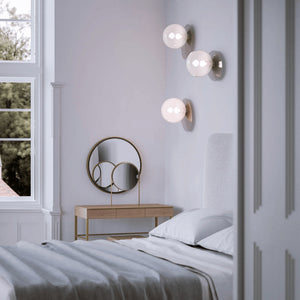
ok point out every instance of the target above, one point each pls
(206, 227)
(221, 241)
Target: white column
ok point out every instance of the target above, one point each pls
(53, 215)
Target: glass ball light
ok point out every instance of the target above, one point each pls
(174, 36)
(173, 110)
(199, 63)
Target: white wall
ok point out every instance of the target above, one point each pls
(116, 73)
(20, 225)
(214, 102)
(111, 60)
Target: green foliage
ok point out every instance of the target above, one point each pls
(16, 166)
(15, 95)
(15, 155)
(10, 47)
(13, 45)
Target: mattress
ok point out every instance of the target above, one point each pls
(150, 269)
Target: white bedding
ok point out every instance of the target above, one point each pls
(82, 270)
(218, 266)
(94, 270)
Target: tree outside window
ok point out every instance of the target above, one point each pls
(15, 101)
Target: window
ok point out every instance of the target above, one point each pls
(16, 30)
(15, 138)
(19, 101)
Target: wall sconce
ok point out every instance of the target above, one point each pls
(176, 36)
(174, 110)
(201, 63)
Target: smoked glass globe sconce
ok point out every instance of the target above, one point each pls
(176, 36)
(175, 110)
(201, 63)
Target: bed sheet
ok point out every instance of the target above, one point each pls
(93, 270)
(216, 267)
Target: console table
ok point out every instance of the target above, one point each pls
(128, 211)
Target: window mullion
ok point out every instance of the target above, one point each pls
(16, 20)
(15, 69)
(15, 139)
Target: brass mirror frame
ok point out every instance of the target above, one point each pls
(88, 167)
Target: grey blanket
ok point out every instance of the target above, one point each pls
(92, 270)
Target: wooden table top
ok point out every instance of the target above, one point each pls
(125, 206)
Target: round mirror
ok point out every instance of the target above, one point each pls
(114, 165)
(125, 176)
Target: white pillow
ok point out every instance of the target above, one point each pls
(194, 225)
(221, 241)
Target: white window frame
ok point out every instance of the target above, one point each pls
(29, 71)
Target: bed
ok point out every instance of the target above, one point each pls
(169, 264)
(188, 257)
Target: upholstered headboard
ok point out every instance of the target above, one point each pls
(218, 187)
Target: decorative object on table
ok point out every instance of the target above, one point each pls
(114, 166)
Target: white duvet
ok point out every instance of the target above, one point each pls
(82, 270)
(218, 266)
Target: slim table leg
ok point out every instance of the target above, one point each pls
(87, 229)
(156, 221)
(76, 233)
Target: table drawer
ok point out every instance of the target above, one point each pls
(131, 213)
(101, 214)
(159, 212)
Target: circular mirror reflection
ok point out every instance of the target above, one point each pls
(103, 159)
(125, 176)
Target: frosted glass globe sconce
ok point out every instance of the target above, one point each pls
(201, 63)
(176, 36)
(175, 110)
